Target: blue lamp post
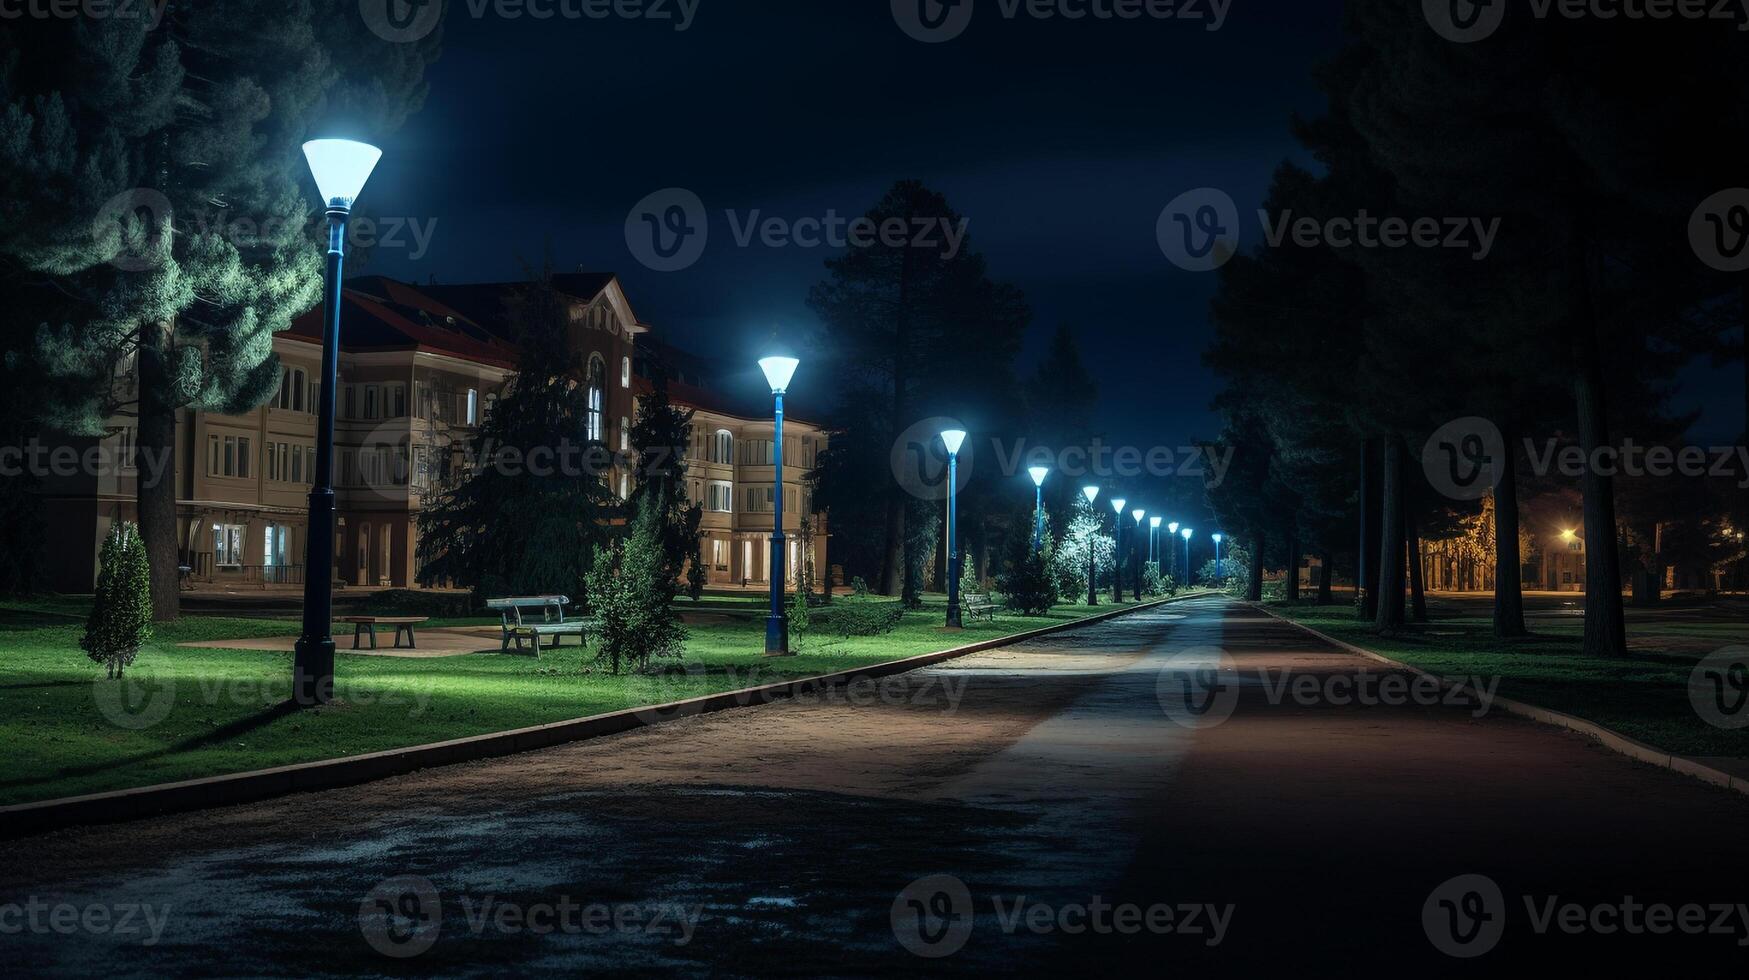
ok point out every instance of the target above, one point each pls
(1038, 506)
(953, 439)
(1136, 554)
(1092, 494)
(1217, 539)
(778, 372)
(1172, 558)
(1154, 541)
(1117, 551)
(1187, 576)
(341, 168)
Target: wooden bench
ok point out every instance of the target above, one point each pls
(368, 624)
(977, 604)
(552, 621)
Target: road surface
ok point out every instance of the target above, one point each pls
(1195, 786)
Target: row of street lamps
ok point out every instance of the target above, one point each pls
(952, 439)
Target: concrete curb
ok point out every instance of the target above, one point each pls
(1607, 737)
(25, 819)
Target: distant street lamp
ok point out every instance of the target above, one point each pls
(1154, 540)
(1187, 574)
(953, 439)
(1217, 539)
(1092, 569)
(1136, 555)
(340, 167)
(1038, 508)
(1117, 552)
(1172, 558)
(778, 372)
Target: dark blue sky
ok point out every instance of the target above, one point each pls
(1060, 141)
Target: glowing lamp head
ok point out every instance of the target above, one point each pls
(1218, 537)
(1038, 474)
(1138, 514)
(778, 372)
(1091, 492)
(341, 167)
(953, 439)
(1117, 505)
(1172, 528)
(1186, 533)
(1154, 522)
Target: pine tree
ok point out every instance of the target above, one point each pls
(121, 612)
(504, 529)
(631, 590)
(158, 207)
(662, 436)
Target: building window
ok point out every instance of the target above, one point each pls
(284, 461)
(597, 396)
(285, 389)
(723, 447)
(370, 401)
(625, 372)
(756, 452)
(719, 554)
(625, 434)
(473, 407)
(228, 544)
(625, 487)
(298, 384)
(397, 401)
(243, 457)
(719, 497)
(759, 500)
(212, 455)
(230, 464)
(297, 467)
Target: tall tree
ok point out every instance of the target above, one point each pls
(908, 320)
(661, 437)
(154, 190)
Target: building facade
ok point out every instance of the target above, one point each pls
(419, 367)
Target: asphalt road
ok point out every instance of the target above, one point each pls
(1197, 786)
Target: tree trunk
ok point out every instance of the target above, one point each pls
(1390, 569)
(1325, 573)
(156, 498)
(1366, 574)
(1292, 588)
(1254, 588)
(1508, 588)
(1417, 587)
(1605, 623)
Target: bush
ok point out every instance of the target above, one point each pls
(859, 587)
(121, 615)
(1029, 587)
(866, 617)
(798, 612)
(631, 591)
(1154, 583)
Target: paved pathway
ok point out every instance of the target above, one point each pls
(1015, 811)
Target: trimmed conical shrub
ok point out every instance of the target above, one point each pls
(121, 617)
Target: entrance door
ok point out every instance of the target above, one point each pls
(361, 573)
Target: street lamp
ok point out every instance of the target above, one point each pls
(778, 372)
(1092, 494)
(1217, 539)
(953, 439)
(1171, 532)
(1186, 532)
(1038, 507)
(1117, 552)
(1154, 540)
(1136, 555)
(340, 167)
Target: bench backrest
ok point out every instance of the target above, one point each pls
(552, 607)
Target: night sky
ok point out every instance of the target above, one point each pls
(1061, 141)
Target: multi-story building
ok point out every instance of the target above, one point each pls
(419, 367)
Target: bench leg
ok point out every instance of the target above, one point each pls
(355, 628)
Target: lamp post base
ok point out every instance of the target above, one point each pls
(777, 636)
(953, 616)
(313, 672)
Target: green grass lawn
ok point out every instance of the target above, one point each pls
(1644, 696)
(224, 711)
